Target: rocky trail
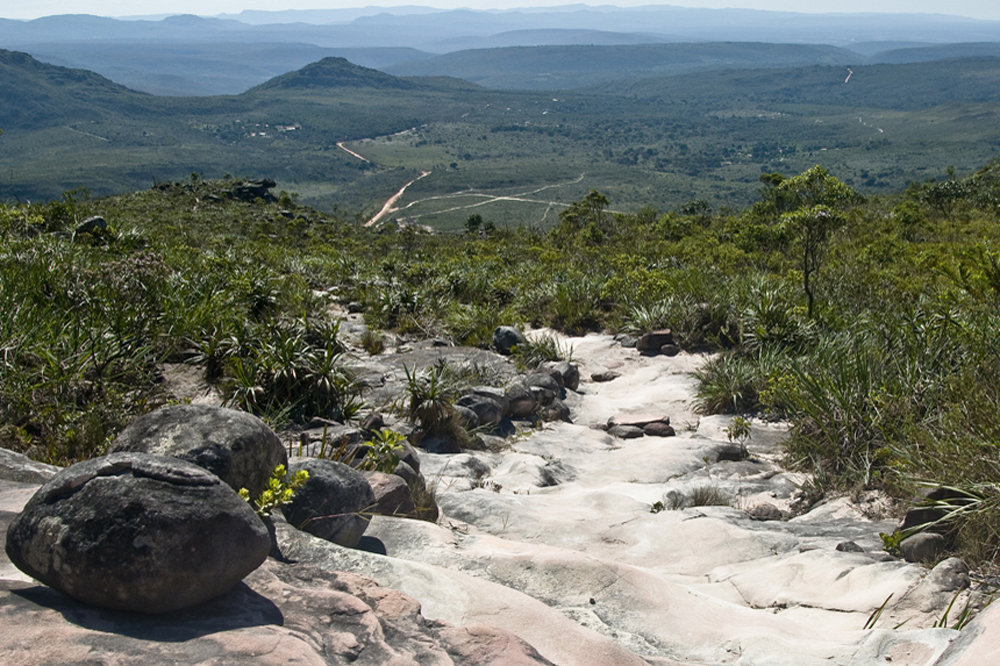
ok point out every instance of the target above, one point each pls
(567, 544)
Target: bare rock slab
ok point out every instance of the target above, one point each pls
(281, 614)
(137, 532)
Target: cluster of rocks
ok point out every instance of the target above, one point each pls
(651, 343)
(158, 525)
(245, 190)
(929, 534)
(632, 426)
(251, 190)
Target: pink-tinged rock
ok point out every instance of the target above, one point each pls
(392, 495)
(978, 644)
(283, 614)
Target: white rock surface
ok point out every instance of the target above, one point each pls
(698, 585)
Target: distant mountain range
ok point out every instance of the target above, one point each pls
(541, 48)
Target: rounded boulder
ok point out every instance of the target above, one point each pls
(137, 532)
(335, 503)
(235, 446)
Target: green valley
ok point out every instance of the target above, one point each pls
(514, 157)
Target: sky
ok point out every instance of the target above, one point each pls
(28, 9)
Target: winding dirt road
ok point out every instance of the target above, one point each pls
(388, 207)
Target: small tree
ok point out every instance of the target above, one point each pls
(811, 228)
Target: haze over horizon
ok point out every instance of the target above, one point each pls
(978, 9)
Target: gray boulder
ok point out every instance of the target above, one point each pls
(544, 386)
(467, 418)
(520, 400)
(497, 395)
(95, 225)
(235, 446)
(570, 374)
(505, 337)
(625, 431)
(487, 410)
(922, 547)
(557, 410)
(658, 429)
(334, 504)
(137, 532)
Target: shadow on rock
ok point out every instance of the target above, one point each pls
(239, 608)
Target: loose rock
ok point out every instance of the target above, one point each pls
(392, 495)
(922, 547)
(505, 337)
(605, 376)
(334, 502)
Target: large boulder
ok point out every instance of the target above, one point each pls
(137, 532)
(235, 446)
(335, 503)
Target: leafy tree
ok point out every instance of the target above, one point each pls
(811, 227)
(589, 215)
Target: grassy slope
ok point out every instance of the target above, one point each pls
(891, 378)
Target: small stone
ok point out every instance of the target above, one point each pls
(638, 420)
(670, 350)
(605, 376)
(373, 422)
(658, 429)
(626, 341)
(849, 547)
(625, 432)
(765, 511)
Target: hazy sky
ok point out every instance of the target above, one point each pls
(27, 9)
